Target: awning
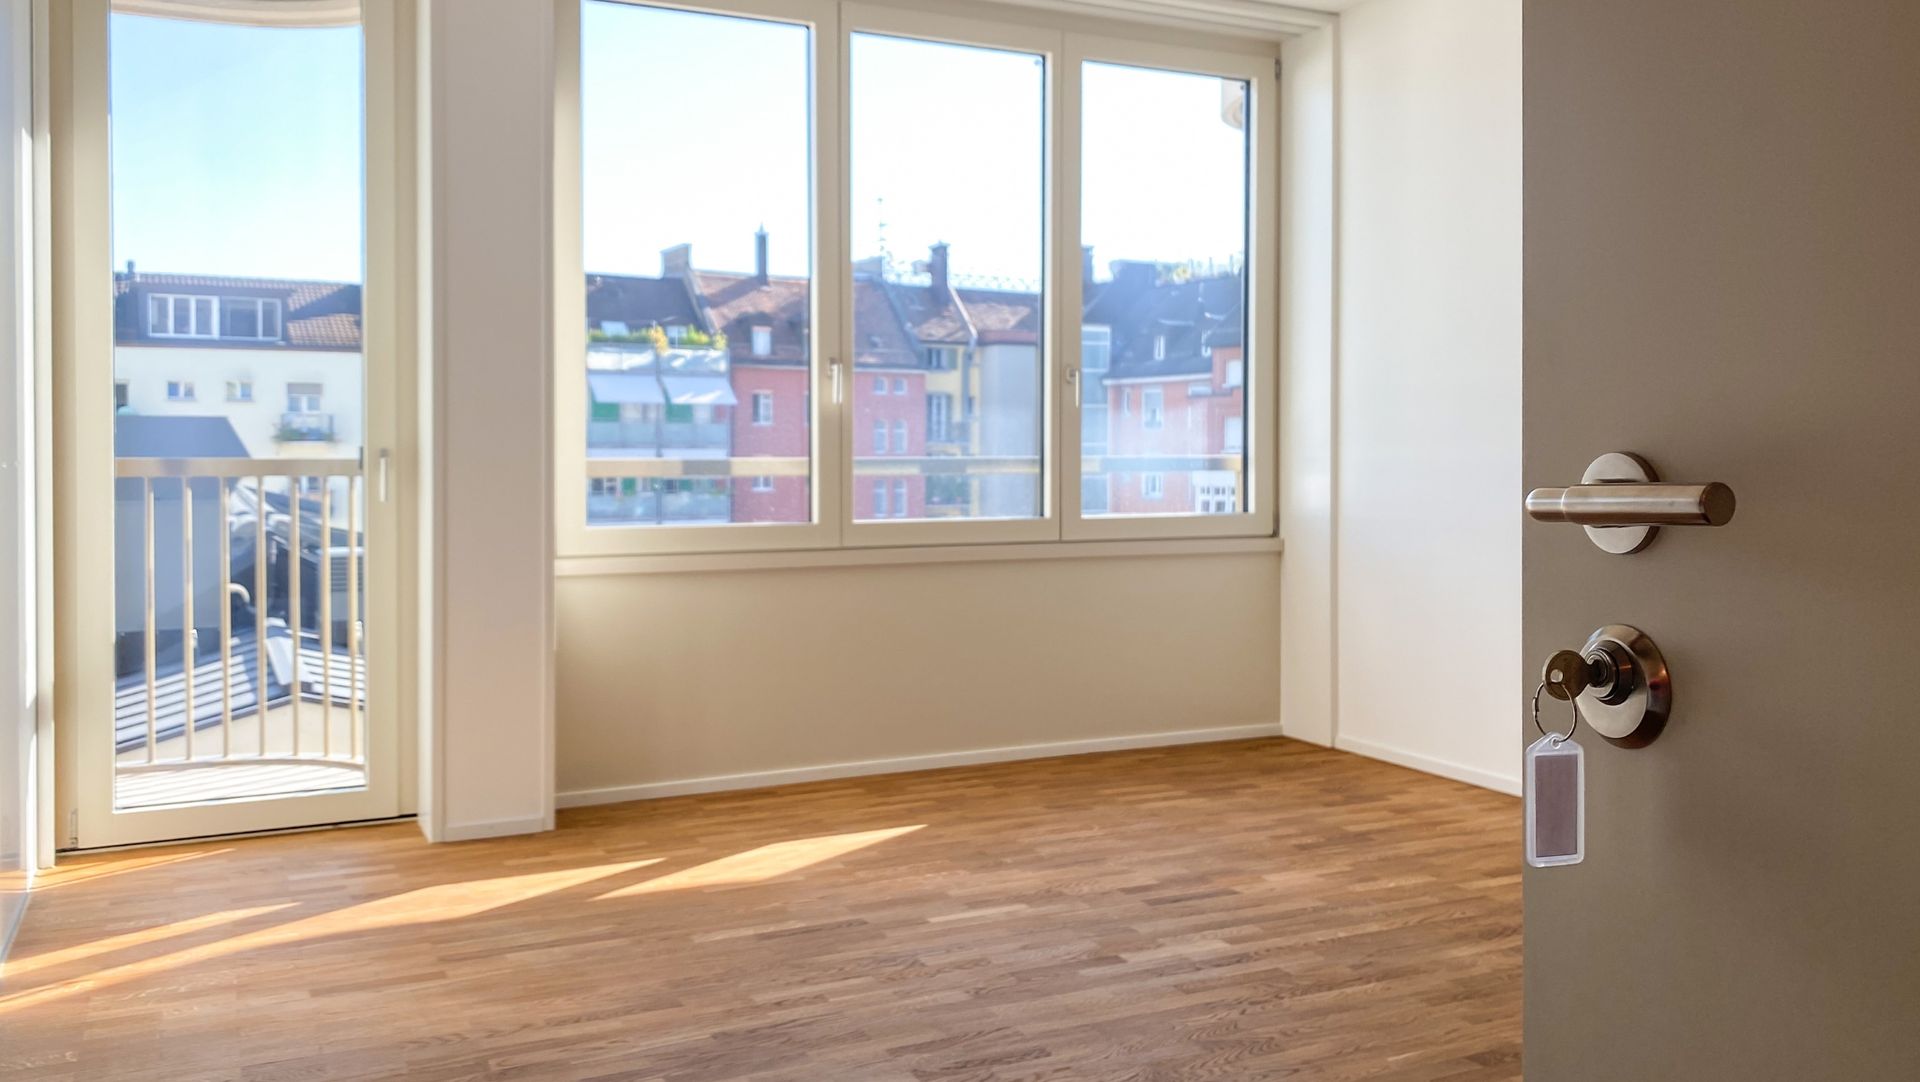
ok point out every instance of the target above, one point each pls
(625, 388)
(699, 391)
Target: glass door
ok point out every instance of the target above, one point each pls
(238, 529)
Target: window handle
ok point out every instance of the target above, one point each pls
(382, 475)
(1073, 381)
(833, 373)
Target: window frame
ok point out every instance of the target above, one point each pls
(573, 536)
(834, 435)
(1258, 516)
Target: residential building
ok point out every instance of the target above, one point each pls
(1164, 344)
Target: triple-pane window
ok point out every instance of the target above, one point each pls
(917, 379)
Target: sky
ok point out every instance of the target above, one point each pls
(238, 150)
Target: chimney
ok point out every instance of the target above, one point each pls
(937, 266)
(676, 261)
(1086, 266)
(760, 254)
(130, 271)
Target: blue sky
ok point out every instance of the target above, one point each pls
(237, 150)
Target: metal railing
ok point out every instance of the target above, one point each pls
(306, 426)
(287, 506)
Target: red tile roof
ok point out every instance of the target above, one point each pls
(1002, 317)
(737, 303)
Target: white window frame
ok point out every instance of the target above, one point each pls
(193, 315)
(1258, 517)
(261, 306)
(240, 390)
(181, 390)
(901, 437)
(1153, 408)
(762, 418)
(762, 483)
(314, 400)
(1153, 486)
(835, 433)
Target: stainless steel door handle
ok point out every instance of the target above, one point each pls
(1622, 503)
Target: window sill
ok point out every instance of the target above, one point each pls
(598, 566)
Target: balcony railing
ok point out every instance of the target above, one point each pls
(303, 427)
(664, 439)
(288, 667)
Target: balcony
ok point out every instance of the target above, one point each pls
(303, 427)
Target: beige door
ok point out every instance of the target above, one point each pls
(225, 340)
(1723, 274)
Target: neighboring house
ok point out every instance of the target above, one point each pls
(657, 388)
(764, 319)
(279, 359)
(1167, 350)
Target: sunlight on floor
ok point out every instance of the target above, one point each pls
(766, 862)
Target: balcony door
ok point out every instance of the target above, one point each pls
(227, 387)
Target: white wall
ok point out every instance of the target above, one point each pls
(676, 678)
(18, 577)
(1427, 397)
(488, 342)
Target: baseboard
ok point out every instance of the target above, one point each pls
(494, 828)
(580, 798)
(1485, 779)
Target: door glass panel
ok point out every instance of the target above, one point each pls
(696, 159)
(947, 278)
(239, 567)
(1162, 345)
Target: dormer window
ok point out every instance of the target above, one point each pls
(762, 341)
(254, 318)
(174, 315)
(1159, 347)
(180, 315)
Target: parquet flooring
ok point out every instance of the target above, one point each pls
(1254, 910)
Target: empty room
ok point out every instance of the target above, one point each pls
(959, 540)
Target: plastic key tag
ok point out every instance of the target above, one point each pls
(1556, 802)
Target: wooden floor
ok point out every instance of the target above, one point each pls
(1256, 910)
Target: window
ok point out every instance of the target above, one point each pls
(613, 328)
(924, 144)
(239, 390)
(304, 397)
(121, 391)
(939, 418)
(179, 390)
(171, 315)
(250, 317)
(964, 259)
(1170, 288)
(763, 484)
(696, 131)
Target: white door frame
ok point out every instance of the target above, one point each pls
(76, 33)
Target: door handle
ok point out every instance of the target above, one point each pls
(1622, 503)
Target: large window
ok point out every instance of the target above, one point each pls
(857, 275)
